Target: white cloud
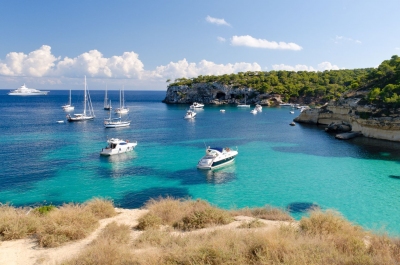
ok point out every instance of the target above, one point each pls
(183, 68)
(300, 67)
(340, 39)
(218, 21)
(397, 48)
(221, 39)
(249, 41)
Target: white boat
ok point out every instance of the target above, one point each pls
(107, 106)
(68, 107)
(253, 111)
(60, 121)
(117, 146)
(190, 114)
(216, 157)
(115, 122)
(286, 105)
(258, 108)
(222, 110)
(292, 112)
(243, 105)
(121, 109)
(87, 105)
(24, 91)
(196, 105)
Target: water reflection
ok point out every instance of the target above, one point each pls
(119, 158)
(220, 175)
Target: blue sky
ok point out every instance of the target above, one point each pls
(140, 44)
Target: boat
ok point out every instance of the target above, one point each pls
(106, 105)
(87, 105)
(115, 122)
(292, 123)
(190, 114)
(117, 146)
(243, 105)
(196, 105)
(216, 157)
(222, 110)
(121, 109)
(68, 107)
(292, 112)
(24, 91)
(253, 111)
(61, 121)
(258, 108)
(286, 104)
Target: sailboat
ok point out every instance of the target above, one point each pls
(106, 105)
(87, 104)
(115, 122)
(243, 105)
(121, 109)
(68, 107)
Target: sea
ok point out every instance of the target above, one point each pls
(295, 168)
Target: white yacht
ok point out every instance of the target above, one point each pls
(190, 114)
(258, 108)
(117, 146)
(243, 105)
(121, 109)
(24, 91)
(253, 111)
(115, 122)
(222, 110)
(196, 105)
(216, 157)
(68, 107)
(87, 105)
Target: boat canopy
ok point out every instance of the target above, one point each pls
(219, 149)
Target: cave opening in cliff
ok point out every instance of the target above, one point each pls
(220, 95)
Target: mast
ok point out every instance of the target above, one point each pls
(84, 105)
(120, 103)
(105, 98)
(123, 97)
(70, 97)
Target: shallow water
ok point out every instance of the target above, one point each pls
(285, 166)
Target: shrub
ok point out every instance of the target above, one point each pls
(267, 213)
(45, 209)
(16, 223)
(101, 208)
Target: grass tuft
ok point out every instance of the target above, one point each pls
(101, 208)
(16, 223)
(267, 213)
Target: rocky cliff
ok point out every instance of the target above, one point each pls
(371, 121)
(216, 93)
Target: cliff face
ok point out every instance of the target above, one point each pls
(216, 93)
(361, 118)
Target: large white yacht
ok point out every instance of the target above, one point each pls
(216, 157)
(24, 91)
(117, 146)
(196, 105)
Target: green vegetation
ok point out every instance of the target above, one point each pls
(382, 83)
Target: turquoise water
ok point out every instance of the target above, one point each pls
(280, 165)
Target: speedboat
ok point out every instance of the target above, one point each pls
(216, 157)
(24, 91)
(117, 146)
(190, 114)
(222, 110)
(196, 105)
(258, 108)
(253, 111)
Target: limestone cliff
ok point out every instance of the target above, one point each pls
(369, 120)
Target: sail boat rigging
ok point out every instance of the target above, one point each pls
(115, 122)
(87, 103)
(107, 106)
(243, 105)
(68, 107)
(121, 109)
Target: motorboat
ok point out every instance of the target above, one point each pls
(24, 91)
(196, 105)
(115, 122)
(222, 110)
(68, 107)
(258, 108)
(253, 111)
(60, 121)
(216, 157)
(87, 105)
(117, 146)
(122, 109)
(190, 114)
(107, 106)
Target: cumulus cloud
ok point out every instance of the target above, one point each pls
(340, 39)
(300, 67)
(221, 39)
(183, 68)
(249, 41)
(217, 21)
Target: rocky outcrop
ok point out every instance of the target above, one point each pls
(216, 93)
(348, 115)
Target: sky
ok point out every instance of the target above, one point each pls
(52, 45)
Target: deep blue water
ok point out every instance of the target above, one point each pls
(284, 166)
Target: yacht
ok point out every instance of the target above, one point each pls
(216, 157)
(24, 91)
(68, 107)
(258, 108)
(196, 105)
(117, 146)
(222, 110)
(243, 105)
(87, 105)
(190, 114)
(253, 111)
(121, 109)
(115, 122)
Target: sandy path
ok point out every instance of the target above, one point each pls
(26, 251)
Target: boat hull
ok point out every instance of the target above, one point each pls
(116, 125)
(121, 149)
(72, 119)
(218, 163)
(28, 94)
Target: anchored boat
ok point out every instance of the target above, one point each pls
(216, 157)
(117, 146)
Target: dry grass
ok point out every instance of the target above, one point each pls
(252, 224)
(53, 226)
(182, 214)
(267, 213)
